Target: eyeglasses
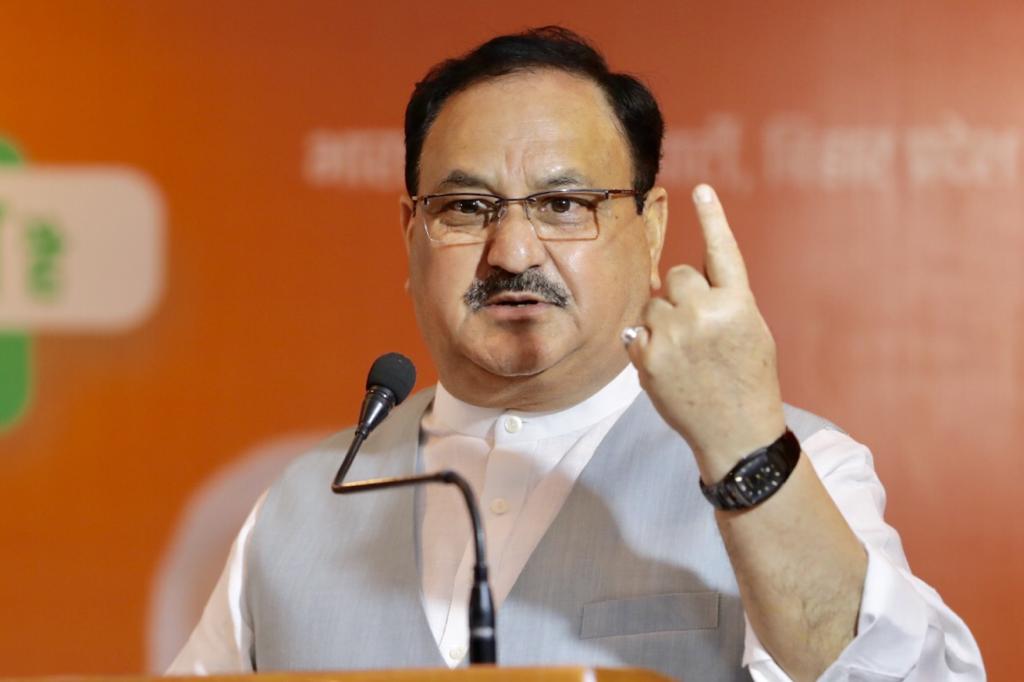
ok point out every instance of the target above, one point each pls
(556, 215)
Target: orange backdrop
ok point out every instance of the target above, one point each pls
(869, 155)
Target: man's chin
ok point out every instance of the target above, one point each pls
(512, 368)
(516, 363)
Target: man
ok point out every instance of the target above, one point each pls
(590, 416)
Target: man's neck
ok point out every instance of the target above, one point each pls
(553, 389)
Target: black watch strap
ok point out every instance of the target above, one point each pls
(757, 476)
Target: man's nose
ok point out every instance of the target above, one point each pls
(513, 245)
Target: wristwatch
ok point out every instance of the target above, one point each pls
(757, 476)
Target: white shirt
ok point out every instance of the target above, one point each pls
(523, 465)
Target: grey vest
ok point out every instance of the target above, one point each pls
(632, 572)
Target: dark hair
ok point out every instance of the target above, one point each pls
(547, 47)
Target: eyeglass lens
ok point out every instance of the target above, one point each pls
(464, 218)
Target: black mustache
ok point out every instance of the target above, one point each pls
(500, 281)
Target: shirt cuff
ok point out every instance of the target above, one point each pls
(891, 630)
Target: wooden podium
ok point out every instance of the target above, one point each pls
(476, 674)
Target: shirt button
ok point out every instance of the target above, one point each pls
(457, 652)
(499, 505)
(513, 424)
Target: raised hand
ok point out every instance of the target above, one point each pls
(705, 355)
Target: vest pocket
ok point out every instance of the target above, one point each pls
(650, 613)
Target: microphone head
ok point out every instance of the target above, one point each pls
(394, 372)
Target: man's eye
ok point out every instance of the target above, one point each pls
(566, 203)
(468, 206)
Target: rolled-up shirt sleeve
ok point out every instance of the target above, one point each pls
(904, 630)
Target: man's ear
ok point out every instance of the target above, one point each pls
(655, 223)
(406, 218)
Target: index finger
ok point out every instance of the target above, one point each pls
(724, 261)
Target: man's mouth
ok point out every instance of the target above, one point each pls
(515, 300)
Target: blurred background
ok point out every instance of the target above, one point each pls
(200, 257)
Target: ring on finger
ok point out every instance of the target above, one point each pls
(630, 334)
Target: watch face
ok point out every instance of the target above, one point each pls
(757, 476)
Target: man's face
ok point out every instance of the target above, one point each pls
(514, 136)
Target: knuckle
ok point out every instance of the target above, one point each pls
(684, 281)
(681, 270)
(683, 277)
(653, 310)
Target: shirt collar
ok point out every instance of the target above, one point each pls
(451, 415)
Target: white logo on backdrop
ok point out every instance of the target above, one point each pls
(954, 153)
(787, 150)
(358, 159)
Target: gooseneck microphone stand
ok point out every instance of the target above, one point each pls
(483, 647)
(391, 378)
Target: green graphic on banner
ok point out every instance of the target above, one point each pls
(45, 244)
(8, 152)
(16, 348)
(15, 377)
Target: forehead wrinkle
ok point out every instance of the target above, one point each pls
(533, 149)
(567, 178)
(460, 179)
(576, 156)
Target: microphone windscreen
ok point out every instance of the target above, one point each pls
(394, 372)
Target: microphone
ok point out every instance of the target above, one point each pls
(390, 380)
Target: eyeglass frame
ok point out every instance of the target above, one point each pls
(502, 204)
